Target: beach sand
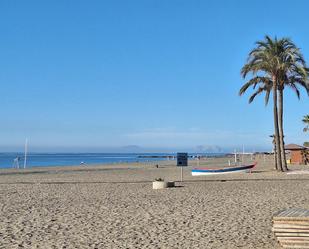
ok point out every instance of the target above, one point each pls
(114, 206)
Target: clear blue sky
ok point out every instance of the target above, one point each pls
(87, 75)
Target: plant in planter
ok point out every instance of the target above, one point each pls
(159, 180)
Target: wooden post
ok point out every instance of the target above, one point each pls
(26, 151)
(181, 174)
(235, 156)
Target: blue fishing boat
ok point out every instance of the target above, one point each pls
(205, 171)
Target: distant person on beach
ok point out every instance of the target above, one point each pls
(16, 162)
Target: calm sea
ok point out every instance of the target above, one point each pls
(69, 159)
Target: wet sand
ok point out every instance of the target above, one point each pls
(114, 206)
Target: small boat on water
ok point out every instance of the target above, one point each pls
(205, 171)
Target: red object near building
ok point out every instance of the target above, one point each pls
(297, 153)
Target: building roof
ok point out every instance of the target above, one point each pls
(294, 147)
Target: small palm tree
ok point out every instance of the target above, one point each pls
(275, 64)
(306, 122)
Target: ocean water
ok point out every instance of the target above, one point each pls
(69, 159)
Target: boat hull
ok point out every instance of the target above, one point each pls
(204, 171)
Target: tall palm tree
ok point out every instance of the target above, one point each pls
(293, 73)
(274, 64)
(262, 66)
(306, 122)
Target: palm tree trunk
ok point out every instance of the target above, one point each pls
(275, 159)
(281, 134)
(275, 154)
(276, 127)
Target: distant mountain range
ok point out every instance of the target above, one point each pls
(208, 149)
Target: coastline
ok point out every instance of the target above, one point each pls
(91, 159)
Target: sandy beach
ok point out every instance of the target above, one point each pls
(114, 206)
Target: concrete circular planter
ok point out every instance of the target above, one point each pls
(162, 184)
(159, 185)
